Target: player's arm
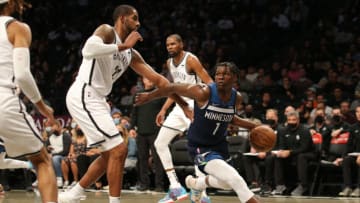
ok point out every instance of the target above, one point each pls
(101, 43)
(20, 37)
(168, 101)
(199, 92)
(142, 68)
(239, 121)
(160, 117)
(195, 66)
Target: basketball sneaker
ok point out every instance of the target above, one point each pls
(197, 197)
(174, 194)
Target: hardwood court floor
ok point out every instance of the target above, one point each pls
(131, 197)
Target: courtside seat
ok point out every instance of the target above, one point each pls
(181, 158)
(328, 174)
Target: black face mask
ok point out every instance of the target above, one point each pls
(270, 122)
(336, 119)
(79, 132)
(57, 133)
(248, 114)
(292, 126)
(319, 119)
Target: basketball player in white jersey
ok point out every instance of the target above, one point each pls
(106, 56)
(184, 67)
(17, 128)
(8, 163)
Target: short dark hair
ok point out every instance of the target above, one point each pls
(177, 37)
(231, 65)
(122, 10)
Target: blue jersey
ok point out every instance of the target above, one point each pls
(211, 121)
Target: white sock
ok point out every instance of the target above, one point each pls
(200, 180)
(174, 181)
(77, 190)
(114, 199)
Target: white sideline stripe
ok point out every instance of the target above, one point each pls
(222, 110)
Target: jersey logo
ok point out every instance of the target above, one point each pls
(117, 70)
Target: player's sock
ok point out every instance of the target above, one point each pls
(114, 199)
(174, 181)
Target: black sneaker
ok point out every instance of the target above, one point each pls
(254, 187)
(141, 188)
(266, 189)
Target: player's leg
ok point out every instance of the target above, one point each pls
(45, 176)
(100, 130)
(222, 175)
(174, 124)
(21, 138)
(165, 136)
(12, 163)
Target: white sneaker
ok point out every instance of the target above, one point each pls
(67, 197)
(190, 182)
(66, 184)
(59, 181)
(35, 183)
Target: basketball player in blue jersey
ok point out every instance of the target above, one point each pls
(184, 67)
(215, 108)
(106, 56)
(17, 128)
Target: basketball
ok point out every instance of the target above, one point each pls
(262, 138)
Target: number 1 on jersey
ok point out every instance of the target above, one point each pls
(216, 128)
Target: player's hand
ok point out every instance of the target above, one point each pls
(141, 98)
(132, 39)
(189, 112)
(160, 117)
(47, 112)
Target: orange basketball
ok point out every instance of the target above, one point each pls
(262, 138)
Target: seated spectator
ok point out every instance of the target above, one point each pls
(78, 147)
(294, 142)
(84, 161)
(58, 145)
(349, 163)
(131, 159)
(146, 130)
(321, 128)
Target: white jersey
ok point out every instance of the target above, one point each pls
(102, 72)
(180, 73)
(6, 55)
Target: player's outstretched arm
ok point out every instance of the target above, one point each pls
(142, 68)
(200, 93)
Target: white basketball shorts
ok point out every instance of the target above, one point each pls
(177, 120)
(91, 111)
(17, 127)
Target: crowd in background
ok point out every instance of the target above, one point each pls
(301, 53)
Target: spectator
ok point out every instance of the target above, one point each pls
(351, 164)
(77, 148)
(58, 145)
(294, 141)
(146, 132)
